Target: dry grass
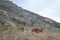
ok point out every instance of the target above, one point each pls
(47, 34)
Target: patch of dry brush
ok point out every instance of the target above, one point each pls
(28, 35)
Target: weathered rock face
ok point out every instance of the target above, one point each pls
(11, 14)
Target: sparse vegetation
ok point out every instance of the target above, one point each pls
(19, 21)
(21, 35)
(4, 7)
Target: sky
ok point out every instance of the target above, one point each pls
(46, 8)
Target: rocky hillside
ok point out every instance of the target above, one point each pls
(11, 14)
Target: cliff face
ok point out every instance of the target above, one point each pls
(11, 14)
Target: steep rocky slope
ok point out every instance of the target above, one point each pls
(11, 14)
